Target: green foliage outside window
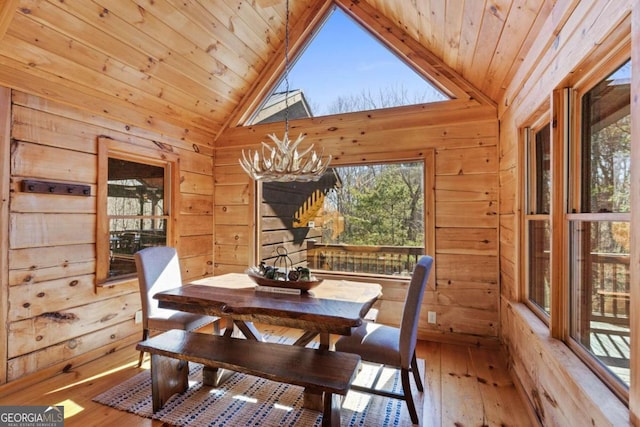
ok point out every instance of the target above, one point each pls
(381, 205)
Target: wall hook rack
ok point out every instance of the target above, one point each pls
(49, 187)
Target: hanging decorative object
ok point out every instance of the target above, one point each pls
(283, 162)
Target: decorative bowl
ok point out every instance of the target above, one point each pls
(303, 285)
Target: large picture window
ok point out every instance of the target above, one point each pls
(135, 207)
(599, 238)
(365, 219)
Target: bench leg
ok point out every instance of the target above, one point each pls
(312, 399)
(168, 377)
(215, 377)
(331, 410)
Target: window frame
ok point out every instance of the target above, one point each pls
(565, 115)
(111, 148)
(529, 200)
(573, 215)
(428, 159)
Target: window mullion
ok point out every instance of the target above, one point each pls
(560, 137)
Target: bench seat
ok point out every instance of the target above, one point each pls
(320, 371)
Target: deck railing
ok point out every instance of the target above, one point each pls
(610, 272)
(611, 288)
(390, 260)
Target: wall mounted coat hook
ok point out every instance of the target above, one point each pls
(31, 186)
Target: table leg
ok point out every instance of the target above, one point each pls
(325, 340)
(249, 330)
(306, 338)
(215, 377)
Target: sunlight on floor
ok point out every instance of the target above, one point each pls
(71, 408)
(102, 374)
(245, 398)
(283, 407)
(357, 401)
(254, 400)
(216, 391)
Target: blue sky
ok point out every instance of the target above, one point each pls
(345, 59)
(623, 72)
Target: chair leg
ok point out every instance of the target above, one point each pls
(408, 396)
(145, 335)
(416, 372)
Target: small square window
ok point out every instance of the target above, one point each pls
(135, 207)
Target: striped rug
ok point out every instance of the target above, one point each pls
(244, 400)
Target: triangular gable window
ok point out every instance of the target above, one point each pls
(345, 69)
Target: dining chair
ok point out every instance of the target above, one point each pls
(392, 346)
(158, 270)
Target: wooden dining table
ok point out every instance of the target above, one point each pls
(332, 307)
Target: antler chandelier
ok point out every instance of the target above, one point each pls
(283, 163)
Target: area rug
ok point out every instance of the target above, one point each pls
(244, 400)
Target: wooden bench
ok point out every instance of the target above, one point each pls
(321, 371)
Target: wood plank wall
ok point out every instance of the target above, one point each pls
(557, 384)
(57, 318)
(5, 149)
(463, 135)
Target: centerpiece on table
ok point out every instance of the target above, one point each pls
(281, 276)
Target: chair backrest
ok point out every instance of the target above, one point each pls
(158, 269)
(411, 311)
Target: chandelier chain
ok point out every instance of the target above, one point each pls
(282, 162)
(286, 69)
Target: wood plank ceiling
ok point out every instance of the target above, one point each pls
(188, 67)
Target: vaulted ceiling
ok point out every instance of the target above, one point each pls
(190, 68)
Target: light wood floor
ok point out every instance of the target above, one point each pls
(465, 386)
